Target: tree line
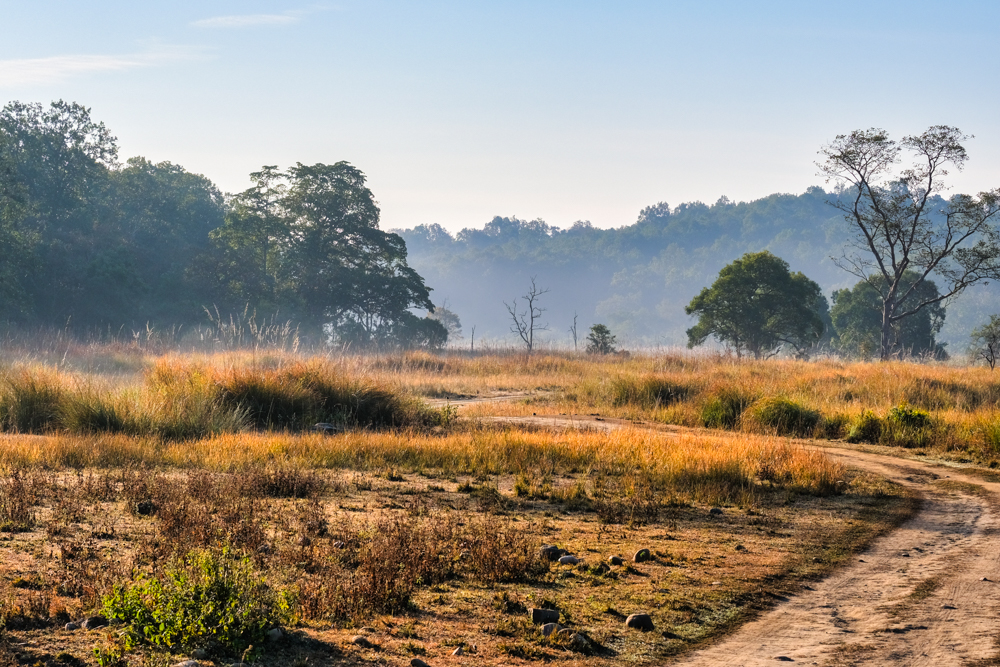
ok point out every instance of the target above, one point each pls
(98, 243)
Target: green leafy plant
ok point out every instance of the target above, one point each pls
(784, 416)
(210, 596)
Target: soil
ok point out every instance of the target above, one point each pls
(926, 594)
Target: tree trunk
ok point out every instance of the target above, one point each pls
(886, 349)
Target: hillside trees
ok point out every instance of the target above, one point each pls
(902, 227)
(757, 306)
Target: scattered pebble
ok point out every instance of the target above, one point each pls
(199, 654)
(338, 545)
(187, 663)
(740, 547)
(274, 634)
(71, 626)
(458, 651)
(549, 628)
(948, 606)
(616, 560)
(417, 662)
(145, 508)
(784, 658)
(569, 560)
(639, 622)
(551, 552)
(642, 555)
(715, 510)
(361, 641)
(578, 641)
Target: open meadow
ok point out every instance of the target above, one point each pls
(185, 504)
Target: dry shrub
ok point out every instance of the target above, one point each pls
(498, 551)
(19, 493)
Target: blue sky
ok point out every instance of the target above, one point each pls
(458, 111)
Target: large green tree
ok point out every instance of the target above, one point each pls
(758, 307)
(857, 320)
(903, 232)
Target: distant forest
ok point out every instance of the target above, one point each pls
(637, 278)
(102, 244)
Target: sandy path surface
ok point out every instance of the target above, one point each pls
(926, 594)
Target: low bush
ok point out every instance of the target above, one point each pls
(782, 416)
(866, 428)
(724, 408)
(209, 597)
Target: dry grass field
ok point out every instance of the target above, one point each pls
(185, 499)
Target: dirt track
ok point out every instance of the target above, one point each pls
(926, 594)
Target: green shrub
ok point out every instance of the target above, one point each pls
(833, 427)
(906, 417)
(784, 416)
(867, 428)
(208, 597)
(724, 409)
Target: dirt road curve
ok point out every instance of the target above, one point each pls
(926, 594)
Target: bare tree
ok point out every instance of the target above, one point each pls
(525, 323)
(472, 343)
(572, 330)
(896, 227)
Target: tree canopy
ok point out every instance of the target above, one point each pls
(902, 235)
(857, 321)
(102, 244)
(757, 306)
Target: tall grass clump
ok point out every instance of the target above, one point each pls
(647, 391)
(30, 400)
(781, 416)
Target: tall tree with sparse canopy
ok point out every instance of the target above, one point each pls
(902, 224)
(758, 307)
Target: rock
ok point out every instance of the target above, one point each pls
(639, 622)
(542, 616)
(458, 651)
(569, 560)
(715, 510)
(264, 549)
(740, 547)
(274, 634)
(93, 622)
(817, 559)
(338, 545)
(616, 560)
(417, 662)
(71, 626)
(145, 508)
(361, 641)
(187, 663)
(578, 642)
(199, 654)
(328, 429)
(304, 541)
(549, 628)
(642, 555)
(783, 658)
(551, 552)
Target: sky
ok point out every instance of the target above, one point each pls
(564, 111)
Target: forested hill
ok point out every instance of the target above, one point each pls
(637, 278)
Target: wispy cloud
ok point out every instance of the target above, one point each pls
(248, 20)
(55, 69)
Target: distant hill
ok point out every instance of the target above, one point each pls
(637, 278)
